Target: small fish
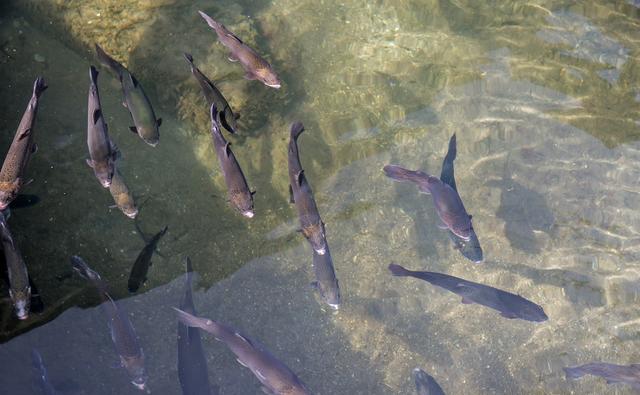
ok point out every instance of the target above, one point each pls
(274, 375)
(240, 197)
(509, 305)
(326, 282)
(311, 224)
(43, 378)
(226, 117)
(23, 145)
(470, 249)
(612, 373)
(141, 266)
(19, 288)
(255, 67)
(446, 200)
(123, 335)
(425, 384)
(135, 100)
(121, 195)
(102, 152)
(192, 363)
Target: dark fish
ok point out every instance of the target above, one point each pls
(143, 262)
(311, 224)
(24, 200)
(326, 282)
(612, 373)
(226, 117)
(102, 152)
(255, 67)
(123, 335)
(19, 288)
(425, 384)
(135, 100)
(470, 249)
(446, 200)
(23, 145)
(240, 197)
(43, 378)
(509, 305)
(274, 375)
(192, 364)
(121, 195)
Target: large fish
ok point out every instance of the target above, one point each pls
(255, 67)
(123, 335)
(240, 197)
(470, 249)
(446, 200)
(509, 305)
(425, 384)
(326, 281)
(102, 152)
(141, 266)
(311, 224)
(612, 373)
(23, 145)
(226, 117)
(121, 195)
(19, 287)
(146, 125)
(192, 364)
(43, 378)
(274, 375)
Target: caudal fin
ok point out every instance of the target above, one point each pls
(398, 270)
(93, 74)
(399, 173)
(39, 86)
(189, 58)
(573, 373)
(296, 129)
(81, 267)
(109, 61)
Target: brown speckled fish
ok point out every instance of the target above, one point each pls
(255, 67)
(23, 145)
(121, 195)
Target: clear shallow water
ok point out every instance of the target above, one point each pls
(542, 97)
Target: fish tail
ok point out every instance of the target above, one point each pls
(39, 86)
(399, 173)
(573, 373)
(81, 267)
(214, 25)
(398, 270)
(189, 59)
(109, 61)
(452, 151)
(296, 129)
(93, 74)
(189, 271)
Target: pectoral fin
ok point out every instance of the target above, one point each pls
(509, 315)
(89, 162)
(291, 199)
(465, 300)
(133, 129)
(227, 149)
(232, 58)
(442, 226)
(300, 177)
(24, 134)
(250, 76)
(34, 148)
(241, 363)
(96, 115)
(267, 390)
(159, 122)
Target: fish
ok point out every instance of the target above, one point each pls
(121, 195)
(471, 248)
(240, 197)
(274, 375)
(425, 384)
(612, 373)
(192, 363)
(448, 204)
(326, 281)
(102, 151)
(255, 67)
(226, 117)
(123, 334)
(509, 305)
(43, 378)
(141, 266)
(300, 193)
(146, 124)
(12, 174)
(19, 287)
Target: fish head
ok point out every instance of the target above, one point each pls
(268, 77)
(243, 202)
(136, 370)
(21, 302)
(8, 192)
(130, 211)
(330, 294)
(315, 234)
(532, 312)
(152, 141)
(104, 172)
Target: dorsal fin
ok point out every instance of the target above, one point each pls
(133, 79)
(97, 113)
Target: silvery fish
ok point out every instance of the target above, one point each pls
(226, 117)
(255, 67)
(612, 373)
(43, 378)
(23, 145)
(123, 335)
(311, 224)
(146, 125)
(326, 281)
(19, 287)
(102, 152)
(509, 305)
(274, 375)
